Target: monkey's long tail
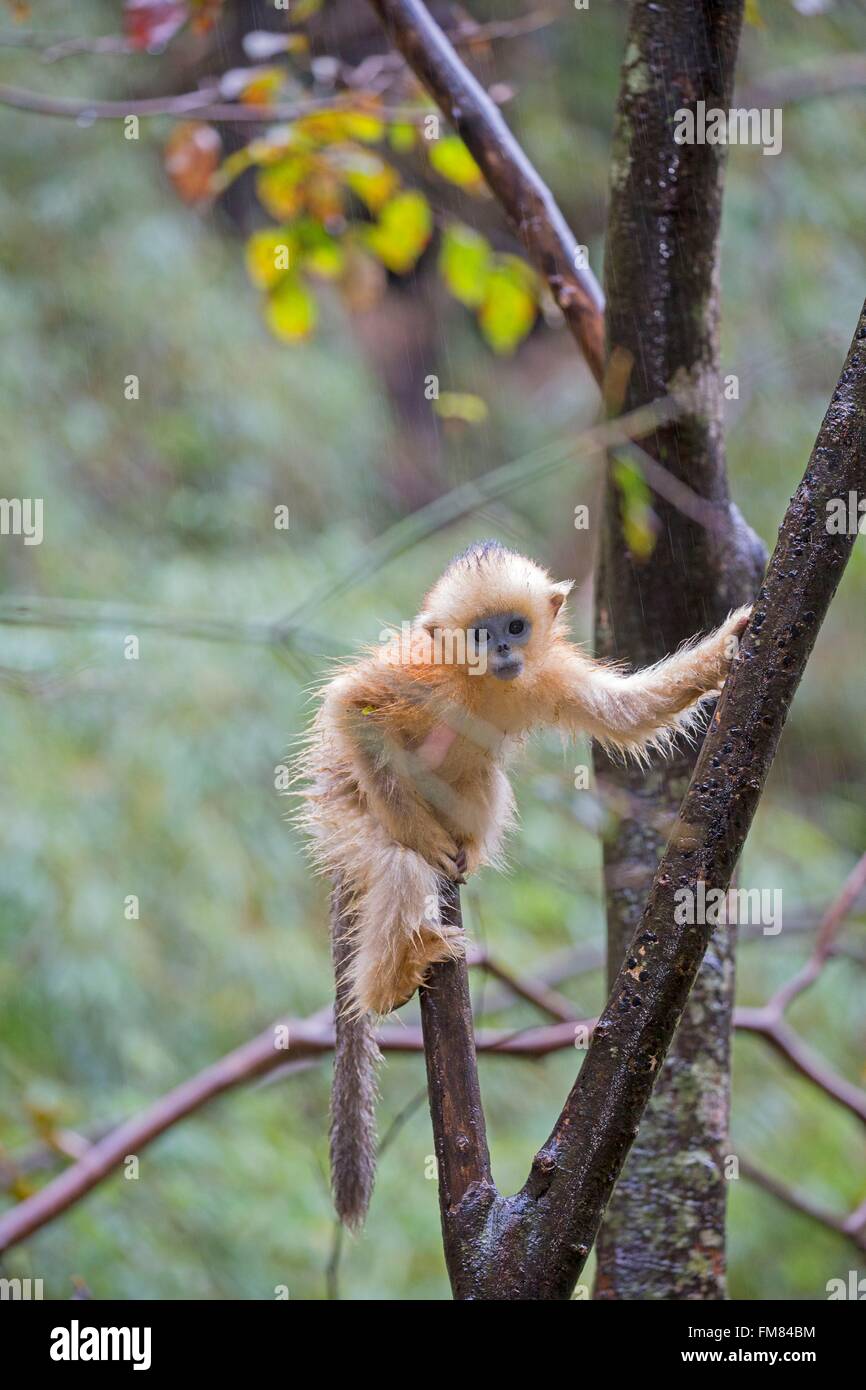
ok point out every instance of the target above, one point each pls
(354, 1090)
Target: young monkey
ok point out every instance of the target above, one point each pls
(406, 784)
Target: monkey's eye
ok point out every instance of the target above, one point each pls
(516, 626)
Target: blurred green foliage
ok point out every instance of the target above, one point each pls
(155, 777)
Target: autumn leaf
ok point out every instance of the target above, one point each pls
(290, 310)
(753, 16)
(280, 186)
(509, 307)
(450, 158)
(149, 24)
(204, 14)
(404, 228)
(268, 256)
(336, 126)
(262, 87)
(374, 181)
(192, 157)
(323, 196)
(464, 406)
(465, 261)
(304, 9)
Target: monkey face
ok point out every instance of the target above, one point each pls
(500, 636)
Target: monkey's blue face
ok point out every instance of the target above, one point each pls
(500, 636)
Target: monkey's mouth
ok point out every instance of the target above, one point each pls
(506, 670)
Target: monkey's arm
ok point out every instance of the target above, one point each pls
(634, 712)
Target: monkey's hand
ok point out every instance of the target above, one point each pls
(444, 854)
(722, 646)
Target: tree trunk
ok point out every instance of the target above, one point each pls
(663, 1234)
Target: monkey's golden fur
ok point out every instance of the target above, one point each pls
(405, 764)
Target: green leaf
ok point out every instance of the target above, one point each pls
(639, 521)
(290, 310)
(402, 232)
(508, 311)
(450, 158)
(402, 136)
(465, 262)
(318, 251)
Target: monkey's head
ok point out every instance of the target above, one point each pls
(506, 605)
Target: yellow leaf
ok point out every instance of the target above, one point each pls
(323, 196)
(465, 262)
(268, 256)
(304, 9)
(365, 126)
(280, 186)
(753, 16)
(290, 310)
(508, 311)
(450, 158)
(372, 180)
(402, 232)
(335, 126)
(263, 88)
(461, 405)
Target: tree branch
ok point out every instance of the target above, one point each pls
(525, 198)
(204, 104)
(534, 1245)
(853, 1227)
(459, 1130)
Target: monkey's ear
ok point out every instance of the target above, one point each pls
(559, 593)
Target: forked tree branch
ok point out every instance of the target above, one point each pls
(534, 1245)
(512, 178)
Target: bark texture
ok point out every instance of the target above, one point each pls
(663, 1235)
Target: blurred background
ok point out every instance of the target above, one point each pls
(158, 777)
